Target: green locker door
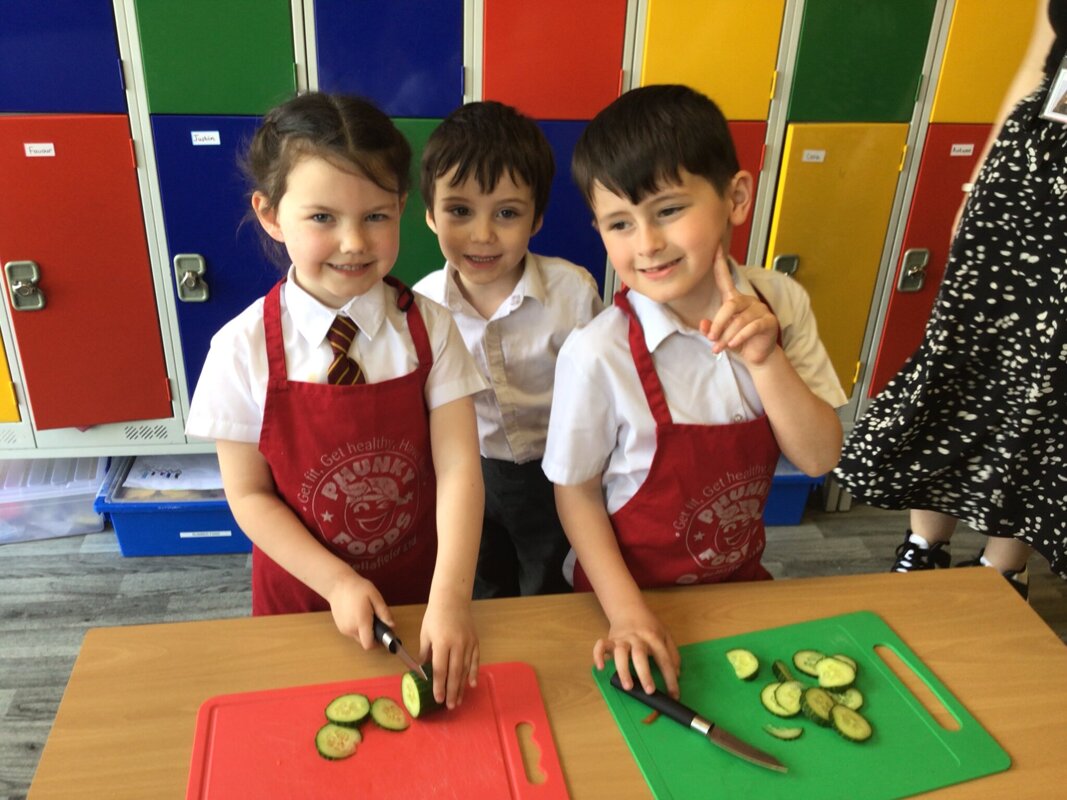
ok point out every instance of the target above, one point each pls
(419, 253)
(207, 57)
(860, 61)
(835, 196)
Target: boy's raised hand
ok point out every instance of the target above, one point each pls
(743, 324)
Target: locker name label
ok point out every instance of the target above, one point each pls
(39, 149)
(206, 138)
(813, 156)
(961, 150)
(204, 534)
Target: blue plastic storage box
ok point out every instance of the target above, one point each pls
(165, 522)
(790, 490)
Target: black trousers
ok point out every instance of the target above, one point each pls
(523, 544)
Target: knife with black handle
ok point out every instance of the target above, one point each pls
(686, 716)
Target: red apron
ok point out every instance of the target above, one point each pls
(354, 464)
(698, 517)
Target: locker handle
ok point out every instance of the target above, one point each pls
(189, 269)
(22, 280)
(913, 270)
(786, 264)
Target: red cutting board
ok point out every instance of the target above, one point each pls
(909, 753)
(262, 745)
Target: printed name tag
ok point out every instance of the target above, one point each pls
(204, 534)
(39, 149)
(206, 138)
(961, 150)
(813, 156)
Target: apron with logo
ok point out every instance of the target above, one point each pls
(354, 464)
(698, 517)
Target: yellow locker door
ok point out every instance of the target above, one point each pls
(835, 196)
(986, 42)
(726, 49)
(9, 407)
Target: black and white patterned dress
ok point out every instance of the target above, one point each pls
(975, 424)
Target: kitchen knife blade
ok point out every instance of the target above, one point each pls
(680, 713)
(384, 634)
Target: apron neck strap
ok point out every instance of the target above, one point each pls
(646, 370)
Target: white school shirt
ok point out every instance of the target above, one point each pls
(230, 395)
(516, 348)
(601, 423)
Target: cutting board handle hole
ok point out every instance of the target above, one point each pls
(918, 688)
(531, 753)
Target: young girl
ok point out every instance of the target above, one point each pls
(341, 404)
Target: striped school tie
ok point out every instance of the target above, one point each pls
(343, 370)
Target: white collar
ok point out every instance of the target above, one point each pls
(313, 319)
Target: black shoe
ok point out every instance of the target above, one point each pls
(1018, 578)
(911, 557)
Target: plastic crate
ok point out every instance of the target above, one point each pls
(790, 490)
(168, 523)
(47, 498)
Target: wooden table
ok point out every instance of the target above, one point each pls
(125, 725)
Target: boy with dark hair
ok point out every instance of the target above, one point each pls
(700, 375)
(485, 179)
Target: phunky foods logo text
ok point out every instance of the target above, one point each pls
(365, 498)
(719, 527)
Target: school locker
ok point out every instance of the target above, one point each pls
(835, 195)
(748, 142)
(215, 259)
(554, 59)
(59, 56)
(207, 57)
(986, 42)
(859, 61)
(949, 156)
(77, 275)
(9, 406)
(407, 56)
(419, 252)
(568, 230)
(727, 49)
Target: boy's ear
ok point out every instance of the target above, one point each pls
(403, 203)
(267, 216)
(430, 221)
(537, 225)
(740, 195)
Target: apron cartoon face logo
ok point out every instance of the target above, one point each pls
(722, 530)
(368, 502)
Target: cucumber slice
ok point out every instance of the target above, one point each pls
(850, 724)
(816, 704)
(418, 693)
(335, 741)
(787, 695)
(850, 698)
(744, 662)
(766, 697)
(834, 673)
(786, 734)
(848, 660)
(348, 710)
(388, 714)
(782, 672)
(804, 660)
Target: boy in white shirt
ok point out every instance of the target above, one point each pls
(485, 178)
(671, 407)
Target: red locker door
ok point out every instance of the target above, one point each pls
(553, 59)
(93, 353)
(948, 160)
(748, 141)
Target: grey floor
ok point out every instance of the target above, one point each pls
(51, 591)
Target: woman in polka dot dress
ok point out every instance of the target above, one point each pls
(974, 427)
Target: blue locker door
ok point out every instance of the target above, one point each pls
(406, 56)
(59, 56)
(568, 231)
(204, 204)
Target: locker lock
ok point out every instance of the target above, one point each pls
(189, 271)
(913, 270)
(22, 279)
(786, 264)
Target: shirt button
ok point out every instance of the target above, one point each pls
(738, 418)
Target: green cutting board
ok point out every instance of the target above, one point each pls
(909, 753)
